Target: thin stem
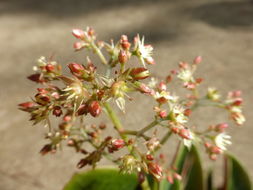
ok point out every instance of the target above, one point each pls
(99, 53)
(145, 185)
(117, 123)
(49, 124)
(130, 132)
(164, 139)
(151, 125)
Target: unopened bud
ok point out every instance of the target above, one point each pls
(78, 45)
(117, 144)
(94, 108)
(26, 106)
(238, 102)
(187, 112)
(163, 114)
(221, 127)
(149, 157)
(50, 68)
(162, 86)
(155, 170)
(36, 78)
(197, 60)
(76, 69)
(139, 73)
(78, 33)
(177, 176)
(57, 111)
(185, 133)
(42, 99)
(150, 60)
(122, 56)
(46, 149)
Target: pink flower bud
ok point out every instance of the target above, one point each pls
(163, 114)
(78, 45)
(238, 102)
(221, 127)
(215, 150)
(197, 60)
(122, 56)
(187, 112)
(124, 42)
(183, 65)
(50, 68)
(78, 33)
(177, 176)
(26, 106)
(94, 108)
(149, 157)
(76, 69)
(185, 133)
(155, 170)
(162, 86)
(67, 118)
(118, 143)
(170, 179)
(42, 99)
(139, 73)
(150, 60)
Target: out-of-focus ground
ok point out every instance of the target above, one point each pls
(221, 31)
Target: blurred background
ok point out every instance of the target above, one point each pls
(219, 30)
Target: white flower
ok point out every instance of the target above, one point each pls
(178, 114)
(213, 94)
(144, 52)
(222, 140)
(185, 75)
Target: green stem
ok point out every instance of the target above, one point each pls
(145, 185)
(130, 132)
(117, 123)
(98, 52)
(151, 125)
(164, 139)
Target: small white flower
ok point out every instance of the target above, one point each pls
(222, 140)
(213, 94)
(178, 113)
(185, 75)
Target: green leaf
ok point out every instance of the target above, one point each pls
(195, 173)
(236, 176)
(102, 179)
(209, 180)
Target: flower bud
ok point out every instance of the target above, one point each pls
(150, 60)
(162, 114)
(42, 99)
(26, 106)
(139, 73)
(78, 45)
(50, 68)
(185, 133)
(149, 157)
(215, 150)
(57, 111)
(177, 176)
(36, 78)
(162, 86)
(155, 170)
(124, 42)
(197, 60)
(94, 108)
(82, 110)
(46, 149)
(78, 33)
(238, 102)
(187, 112)
(221, 127)
(76, 69)
(122, 56)
(116, 144)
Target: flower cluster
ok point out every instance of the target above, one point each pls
(84, 92)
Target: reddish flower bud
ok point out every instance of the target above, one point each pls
(170, 179)
(75, 68)
(221, 127)
(82, 163)
(36, 78)
(124, 42)
(238, 102)
(57, 111)
(91, 31)
(26, 105)
(168, 79)
(42, 99)
(213, 157)
(185, 133)
(149, 157)
(79, 34)
(183, 65)
(197, 60)
(207, 145)
(117, 144)
(50, 68)
(94, 108)
(122, 56)
(175, 130)
(150, 60)
(78, 45)
(102, 126)
(199, 80)
(67, 118)
(187, 112)
(163, 114)
(162, 86)
(155, 170)
(83, 109)
(46, 149)
(215, 150)
(145, 89)
(139, 73)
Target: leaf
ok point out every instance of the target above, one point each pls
(209, 180)
(195, 173)
(102, 179)
(236, 176)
